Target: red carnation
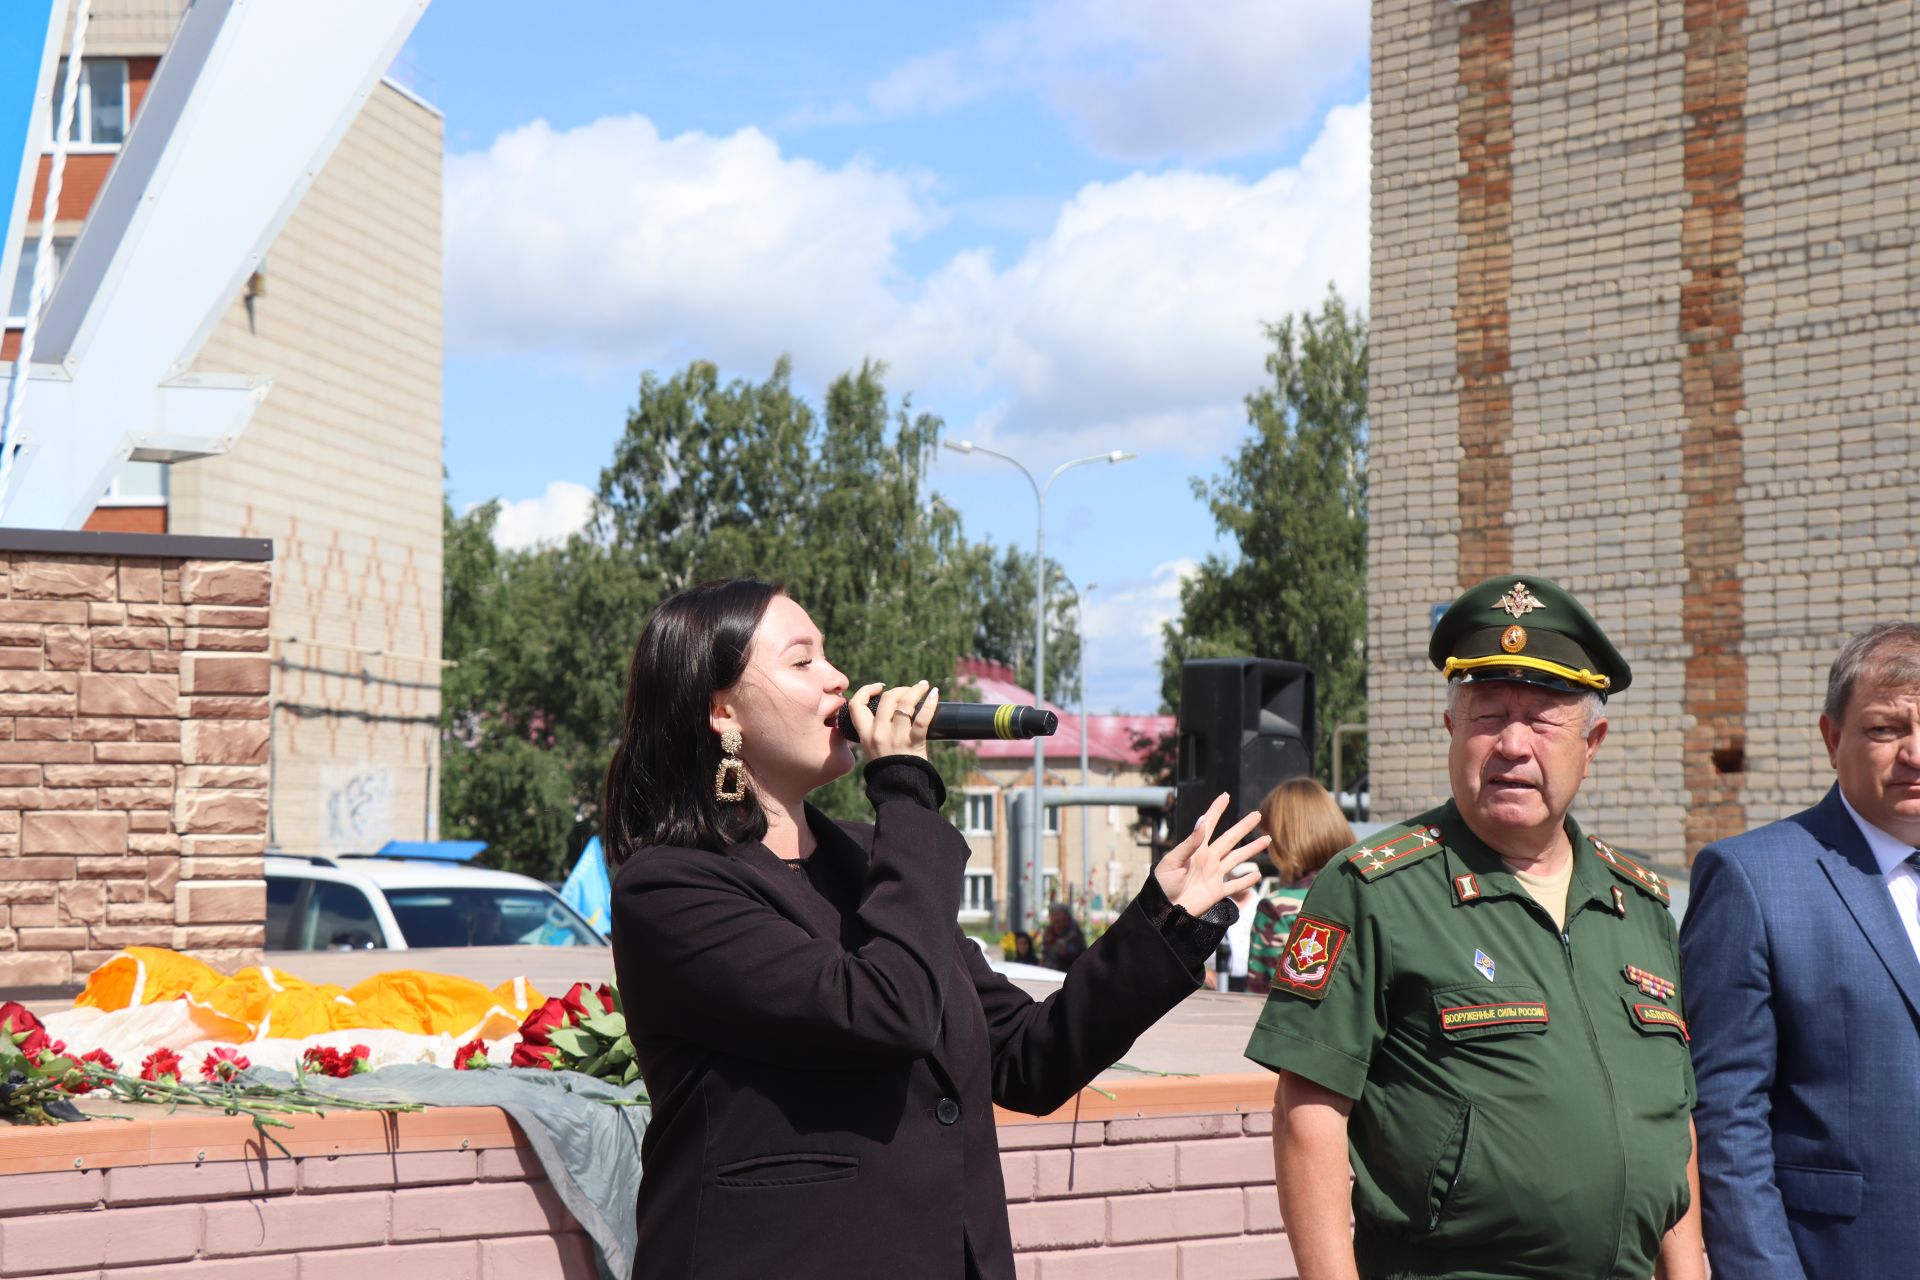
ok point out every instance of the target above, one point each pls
(78, 1080)
(356, 1060)
(471, 1056)
(161, 1064)
(223, 1064)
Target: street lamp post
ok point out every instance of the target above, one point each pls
(1037, 873)
(1086, 828)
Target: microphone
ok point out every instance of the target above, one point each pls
(975, 721)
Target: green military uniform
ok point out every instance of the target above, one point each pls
(1521, 1095)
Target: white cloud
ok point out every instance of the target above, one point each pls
(1143, 79)
(1123, 636)
(612, 243)
(552, 517)
(1140, 310)
(1134, 317)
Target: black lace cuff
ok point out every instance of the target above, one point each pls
(1194, 939)
(905, 778)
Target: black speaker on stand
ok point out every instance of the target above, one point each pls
(1246, 725)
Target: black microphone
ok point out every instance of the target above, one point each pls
(975, 721)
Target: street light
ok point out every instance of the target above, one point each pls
(1086, 827)
(1036, 873)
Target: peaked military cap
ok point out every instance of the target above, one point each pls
(1529, 629)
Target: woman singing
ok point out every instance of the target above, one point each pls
(822, 1045)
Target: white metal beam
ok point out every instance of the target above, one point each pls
(249, 102)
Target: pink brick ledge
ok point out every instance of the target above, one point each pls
(1169, 1178)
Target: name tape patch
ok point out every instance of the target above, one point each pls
(1307, 964)
(1462, 1017)
(1658, 1015)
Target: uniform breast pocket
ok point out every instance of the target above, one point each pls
(1483, 1011)
(1656, 1058)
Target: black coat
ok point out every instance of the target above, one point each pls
(823, 1076)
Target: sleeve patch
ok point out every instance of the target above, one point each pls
(1307, 964)
(1464, 1017)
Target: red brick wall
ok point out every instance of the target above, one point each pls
(1712, 240)
(133, 754)
(1481, 335)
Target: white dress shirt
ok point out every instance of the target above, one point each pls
(1902, 881)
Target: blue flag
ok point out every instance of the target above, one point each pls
(588, 890)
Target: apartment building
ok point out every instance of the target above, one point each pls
(341, 465)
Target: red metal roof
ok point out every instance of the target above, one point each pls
(1109, 737)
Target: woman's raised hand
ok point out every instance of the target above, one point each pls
(1202, 869)
(897, 724)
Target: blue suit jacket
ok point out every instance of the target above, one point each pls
(1803, 994)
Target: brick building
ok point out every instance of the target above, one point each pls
(1117, 859)
(341, 465)
(1646, 319)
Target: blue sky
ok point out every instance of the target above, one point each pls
(1060, 222)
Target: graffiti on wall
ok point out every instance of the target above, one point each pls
(359, 807)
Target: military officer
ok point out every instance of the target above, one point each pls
(1479, 1010)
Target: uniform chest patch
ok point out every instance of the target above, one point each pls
(1658, 1015)
(1483, 963)
(1307, 964)
(1467, 1016)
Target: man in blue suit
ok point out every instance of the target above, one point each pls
(1801, 951)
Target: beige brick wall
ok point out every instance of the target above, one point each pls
(1414, 409)
(133, 735)
(1610, 494)
(341, 468)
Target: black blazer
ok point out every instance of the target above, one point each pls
(823, 1080)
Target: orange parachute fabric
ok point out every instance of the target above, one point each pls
(264, 1002)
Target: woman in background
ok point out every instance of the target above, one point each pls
(1306, 828)
(822, 1045)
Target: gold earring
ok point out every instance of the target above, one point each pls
(730, 743)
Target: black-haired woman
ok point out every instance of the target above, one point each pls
(822, 1045)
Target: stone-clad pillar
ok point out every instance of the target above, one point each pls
(133, 749)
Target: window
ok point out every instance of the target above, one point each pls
(981, 807)
(100, 112)
(139, 484)
(338, 918)
(487, 918)
(282, 893)
(1053, 819)
(976, 896)
(23, 278)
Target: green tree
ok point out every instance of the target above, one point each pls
(710, 479)
(1003, 590)
(1294, 502)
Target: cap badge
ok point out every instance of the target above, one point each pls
(1484, 963)
(1518, 603)
(1514, 638)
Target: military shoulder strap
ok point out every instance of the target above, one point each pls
(1392, 849)
(1632, 872)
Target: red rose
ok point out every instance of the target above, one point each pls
(223, 1064)
(551, 1014)
(18, 1024)
(161, 1063)
(471, 1056)
(544, 1056)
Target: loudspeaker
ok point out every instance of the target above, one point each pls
(1246, 725)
